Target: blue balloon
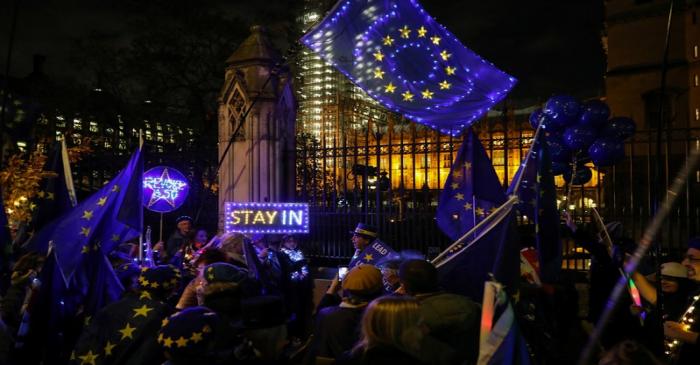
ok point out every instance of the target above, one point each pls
(583, 175)
(558, 151)
(561, 111)
(535, 118)
(559, 168)
(620, 128)
(579, 137)
(606, 151)
(594, 113)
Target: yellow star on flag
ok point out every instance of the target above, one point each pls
(196, 337)
(467, 165)
(88, 358)
(368, 257)
(164, 322)
(479, 211)
(435, 40)
(102, 201)
(445, 85)
(127, 332)
(388, 41)
(32, 206)
(143, 311)
(145, 295)
(108, 348)
(115, 238)
(459, 196)
(457, 174)
(378, 73)
(49, 196)
(444, 55)
(492, 209)
(87, 214)
(167, 342)
(427, 94)
(422, 31)
(379, 56)
(85, 249)
(467, 206)
(450, 70)
(407, 96)
(454, 185)
(405, 32)
(181, 342)
(41, 194)
(85, 231)
(390, 88)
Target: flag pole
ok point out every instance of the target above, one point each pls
(527, 157)
(141, 207)
(644, 244)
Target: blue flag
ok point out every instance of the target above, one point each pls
(496, 251)
(505, 343)
(534, 185)
(472, 190)
(97, 223)
(373, 254)
(408, 62)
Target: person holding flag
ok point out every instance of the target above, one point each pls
(368, 248)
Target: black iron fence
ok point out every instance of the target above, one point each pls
(390, 174)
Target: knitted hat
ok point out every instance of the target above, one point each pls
(188, 333)
(223, 272)
(363, 280)
(674, 269)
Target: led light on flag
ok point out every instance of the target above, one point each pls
(164, 189)
(408, 62)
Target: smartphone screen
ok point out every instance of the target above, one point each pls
(342, 271)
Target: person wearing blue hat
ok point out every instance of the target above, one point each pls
(187, 337)
(362, 236)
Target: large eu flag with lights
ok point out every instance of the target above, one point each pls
(408, 62)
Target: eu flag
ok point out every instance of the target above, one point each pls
(99, 222)
(495, 251)
(472, 190)
(374, 254)
(533, 183)
(409, 63)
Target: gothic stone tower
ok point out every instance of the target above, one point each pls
(260, 165)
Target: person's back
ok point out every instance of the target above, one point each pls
(337, 329)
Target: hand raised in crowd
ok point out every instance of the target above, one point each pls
(677, 331)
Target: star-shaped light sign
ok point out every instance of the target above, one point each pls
(164, 189)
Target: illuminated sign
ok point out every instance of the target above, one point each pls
(267, 217)
(164, 189)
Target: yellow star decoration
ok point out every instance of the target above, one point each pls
(436, 40)
(85, 249)
(378, 73)
(454, 185)
(445, 85)
(459, 196)
(379, 56)
(85, 231)
(196, 337)
(102, 201)
(467, 206)
(422, 31)
(493, 209)
(87, 214)
(444, 55)
(167, 342)
(32, 206)
(41, 194)
(181, 342)
(127, 332)
(164, 322)
(407, 96)
(154, 285)
(450, 70)
(390, 88)
(368, 257)
(467, 165)
(145, 295)
(388, 41)
(88, 358)
(115, 188)
(115, 237)
(405, 32)
(143, 311)
(427, 94)
(479, 211)
(108, 348)
(49, 196)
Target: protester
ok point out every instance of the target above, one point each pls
(232, 245)
(390, 275)
(23, 285)
(451, 319)
(177, 241)
(362, 236)
(338, 319)
(300, 291)
(189, 295)
(200, 238)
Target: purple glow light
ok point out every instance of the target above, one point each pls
(164, 189)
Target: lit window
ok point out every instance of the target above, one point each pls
(697, 80)
(695, 51)
(697, 114)
(93, 127)
(77, 124)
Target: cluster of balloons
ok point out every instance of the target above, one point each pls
(578, 133)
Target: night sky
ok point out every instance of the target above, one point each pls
(549, 46)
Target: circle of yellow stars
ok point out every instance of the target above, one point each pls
(405, 33)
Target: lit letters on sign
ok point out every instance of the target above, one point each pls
(267, 217)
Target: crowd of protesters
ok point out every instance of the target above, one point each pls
(248, 299)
